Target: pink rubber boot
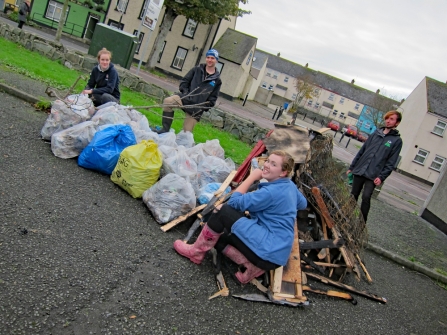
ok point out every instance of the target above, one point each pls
(196, 252)
(251, 271)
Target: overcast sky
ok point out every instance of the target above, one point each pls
(386, 44)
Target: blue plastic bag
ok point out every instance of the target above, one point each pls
(103, 151)
(208, 191)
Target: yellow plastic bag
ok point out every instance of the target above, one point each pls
(138, 168)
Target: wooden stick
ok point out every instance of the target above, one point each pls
(346, 287)
(182, 218)
(329, 293)
(368, 277)
(322, 206)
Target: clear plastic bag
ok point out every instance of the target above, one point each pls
(185, 138)
(213, 170)
(181, 165)
(111, 115)
(70, 142)
(168, 139)
(213, 148)
(169, 198)
(63, 116)
(142, 135)
(196, 153)
(138, 168)
(139, 118)
(82, 100)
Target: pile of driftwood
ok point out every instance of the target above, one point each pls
(329, 235)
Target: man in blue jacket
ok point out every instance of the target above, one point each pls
(376, 160)
(199, 90)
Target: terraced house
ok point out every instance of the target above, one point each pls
(331, 97)
(81, 16)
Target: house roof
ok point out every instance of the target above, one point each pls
(328, 82)
(235, 46)
(436, 96)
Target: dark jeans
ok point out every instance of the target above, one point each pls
(101, 99)
(221, 222)
(21, 24)
(368, 186)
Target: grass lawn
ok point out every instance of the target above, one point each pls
(52, 73)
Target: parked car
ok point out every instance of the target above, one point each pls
(334, 125)
(362, 137)
(351, 131)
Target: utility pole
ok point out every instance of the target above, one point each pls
(61, 21)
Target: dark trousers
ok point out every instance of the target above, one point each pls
(221, 222)
(21, 24)
(368, 186)
(101, 99)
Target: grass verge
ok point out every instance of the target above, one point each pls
(16, 58)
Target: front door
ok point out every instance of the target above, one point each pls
(2, 5)
(91, 25)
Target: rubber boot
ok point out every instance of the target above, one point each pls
(196, 252)
(166, 122)
(251, 271)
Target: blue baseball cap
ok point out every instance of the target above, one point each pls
(212, 53)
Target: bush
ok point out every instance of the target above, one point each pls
(14, 16)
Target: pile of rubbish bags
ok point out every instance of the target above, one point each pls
(168, 171)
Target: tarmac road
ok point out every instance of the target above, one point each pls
(80, 256)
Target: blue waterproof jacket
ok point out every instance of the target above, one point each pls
(269, 232)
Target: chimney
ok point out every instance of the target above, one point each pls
(352, 81)
(307, 65)
(278, 54)
(378, 91)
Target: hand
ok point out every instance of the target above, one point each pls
(377, 181)
(87, 92)
(348, 172)
(256, 174)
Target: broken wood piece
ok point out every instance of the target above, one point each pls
(322, 206)
(368, 277)
(312, 263)
(331, 293)
(331, 244)
(260, 287)
(322, 254)
(223, 289)
(346, 287)
(182, 218)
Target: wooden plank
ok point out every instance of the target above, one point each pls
(277, 279)
(225, 184)
(322, 206)
(329, 293)
(292, 270)
(346, 287)
(182, 218)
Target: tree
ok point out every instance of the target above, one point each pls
(201, 11)
(378, 107)
(304, 89)
(60, 26)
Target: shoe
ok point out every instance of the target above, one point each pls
(196, 252)
(166, 122)
(251, 271)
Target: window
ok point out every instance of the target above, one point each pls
(335, 112)
(439, 128)
(161, 52)
(190, 28)
(331, 96)
(309, 103)
(179, 58)
(342, 101)
(275, 75)
(342, 115)
(359, 124)
(249, 58)
(264, 84)
(143, 9)
(421, 156)
(121, 6)
(437, 163)
(269, 74)
(293, 96)
(367, 125)
(140, 40)
(316, 91)
(357, 106)
(219, 67)
(116, 24)
(54, 11)
(317, 105)
(286, 79)
(270, 87)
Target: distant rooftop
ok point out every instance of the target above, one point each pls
(235, 46)
(436, 96)
(328, 82)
